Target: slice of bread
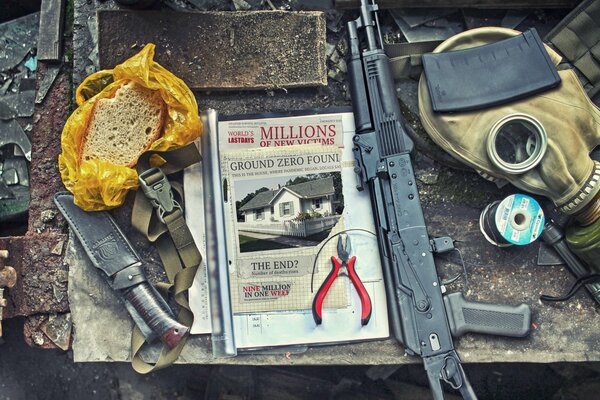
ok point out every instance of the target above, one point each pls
(121, 128)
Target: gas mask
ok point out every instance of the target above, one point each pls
(540, 144)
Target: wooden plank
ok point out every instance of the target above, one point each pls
(506, 4)
(222, 50)
(51, 29)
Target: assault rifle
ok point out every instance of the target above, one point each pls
(421, 318)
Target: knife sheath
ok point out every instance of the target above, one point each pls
(110, 251)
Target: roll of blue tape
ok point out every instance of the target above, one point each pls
(518, 220)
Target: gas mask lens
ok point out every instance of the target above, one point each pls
(517, 143)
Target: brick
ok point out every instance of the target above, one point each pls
(222, 50)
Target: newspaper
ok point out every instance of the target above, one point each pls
(289, 191)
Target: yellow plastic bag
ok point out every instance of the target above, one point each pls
(98, 184)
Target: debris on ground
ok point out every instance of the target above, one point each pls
(18, 66)
(51, 30)
(416, 28)
(18, 38)
(8, 279)
(58, 330)
(46, 82)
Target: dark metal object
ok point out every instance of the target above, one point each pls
(476, 18)
(6, 112)
(10, 177)
(211, 5)
(420, 16)
(489, 75)
(513, 18)
(223, 343)
(438, 29)
(136, 3)
(554, 236)
(510, 4)
(110, 251)
(402, 49)
(547, 256)
(51, 28)
(418, 313)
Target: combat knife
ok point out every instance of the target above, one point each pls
(110, 251)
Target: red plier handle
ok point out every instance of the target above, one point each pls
(365, 300)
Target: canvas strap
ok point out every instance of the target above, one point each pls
(405, 58)
(577, 37)
(158, 214)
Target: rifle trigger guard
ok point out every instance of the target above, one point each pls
(157, 189)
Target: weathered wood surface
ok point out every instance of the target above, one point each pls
(507, 4)
(494, 275)
(51, 29)
(452, 202)
(222, 50)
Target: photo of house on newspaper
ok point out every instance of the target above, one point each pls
(293, 211)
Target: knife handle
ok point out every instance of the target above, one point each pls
(143, 298)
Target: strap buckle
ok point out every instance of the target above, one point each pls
(157, 189)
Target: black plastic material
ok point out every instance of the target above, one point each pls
(492, 319)
(489, 75)
(99, 235)
(382, 150)
(554, 236)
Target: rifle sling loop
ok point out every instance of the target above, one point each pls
(405, 58)
(160, 218)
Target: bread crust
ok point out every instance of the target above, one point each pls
(93, 115)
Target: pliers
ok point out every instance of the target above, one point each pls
(342, 266)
